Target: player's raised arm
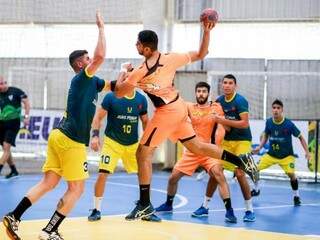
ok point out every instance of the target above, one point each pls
(208, 19)
(204, 45)
(100, 51)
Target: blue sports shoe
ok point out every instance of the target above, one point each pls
(200, 212)
(140, 211)
(94, 216)
(164, 208)
(230, 217)
(249, 217)
(152, 218)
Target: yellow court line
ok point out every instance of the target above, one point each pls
(115, 227)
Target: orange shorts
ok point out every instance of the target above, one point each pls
(169, 121)
(190, 162)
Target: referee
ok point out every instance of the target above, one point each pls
(10, 116)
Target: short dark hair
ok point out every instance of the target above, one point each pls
(148, 38)
(230, 76)
(76, 54)
(202, 84)
(277, 102)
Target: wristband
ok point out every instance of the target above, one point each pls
(95, 133)
(113, 85)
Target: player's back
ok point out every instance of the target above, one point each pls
(82, 97)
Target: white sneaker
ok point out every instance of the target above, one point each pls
(50, 236)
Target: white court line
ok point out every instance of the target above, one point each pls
(265, 207)
(317, 190)
(183, 199)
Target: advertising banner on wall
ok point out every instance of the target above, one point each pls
(34, 138)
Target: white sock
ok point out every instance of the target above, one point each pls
(248, 205)
(206, 201)
(256, 186)
(97, 203)
(296, 193)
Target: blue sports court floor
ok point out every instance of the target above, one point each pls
(274, 208)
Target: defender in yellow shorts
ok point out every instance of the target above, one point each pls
(279, 130)
(120, 140)
(237, 140)
(66, 156)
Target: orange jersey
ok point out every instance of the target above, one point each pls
(202, 119)
(157, 80)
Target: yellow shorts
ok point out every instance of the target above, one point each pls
(287, 163)
(112, 151)
(66, 157)
(237, 148)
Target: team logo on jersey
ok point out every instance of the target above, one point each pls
(151, 86)
(129, 109)
(276, 133)
(140, 106)
(10, 97)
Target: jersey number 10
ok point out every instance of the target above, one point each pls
(126, 129)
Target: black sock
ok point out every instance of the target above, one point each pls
(13, 168)
(54, 222)
(227, 203)
(144, 194)
(1, 166)
(231, 158)
(21, 208)
(294, 185)
(169, 200)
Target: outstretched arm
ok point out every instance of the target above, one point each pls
(242, 123)
(127, 79)
(263, 141)
(100, 51)
(204, 45)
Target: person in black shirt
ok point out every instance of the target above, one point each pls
(10, 117)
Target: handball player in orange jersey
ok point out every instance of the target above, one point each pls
(170, 120)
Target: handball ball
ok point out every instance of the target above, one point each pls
(209, 15)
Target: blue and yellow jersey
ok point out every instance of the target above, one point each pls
(123, 117)
(81, 105)
(280, 139)
(232, 109)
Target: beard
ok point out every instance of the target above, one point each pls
(202, 100)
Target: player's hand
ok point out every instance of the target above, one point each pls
(256, 150)
(95, 144)
(26, 122)
(126, 67)
(99, 20)
(208, 26)
(218, 118)
(308, 156)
